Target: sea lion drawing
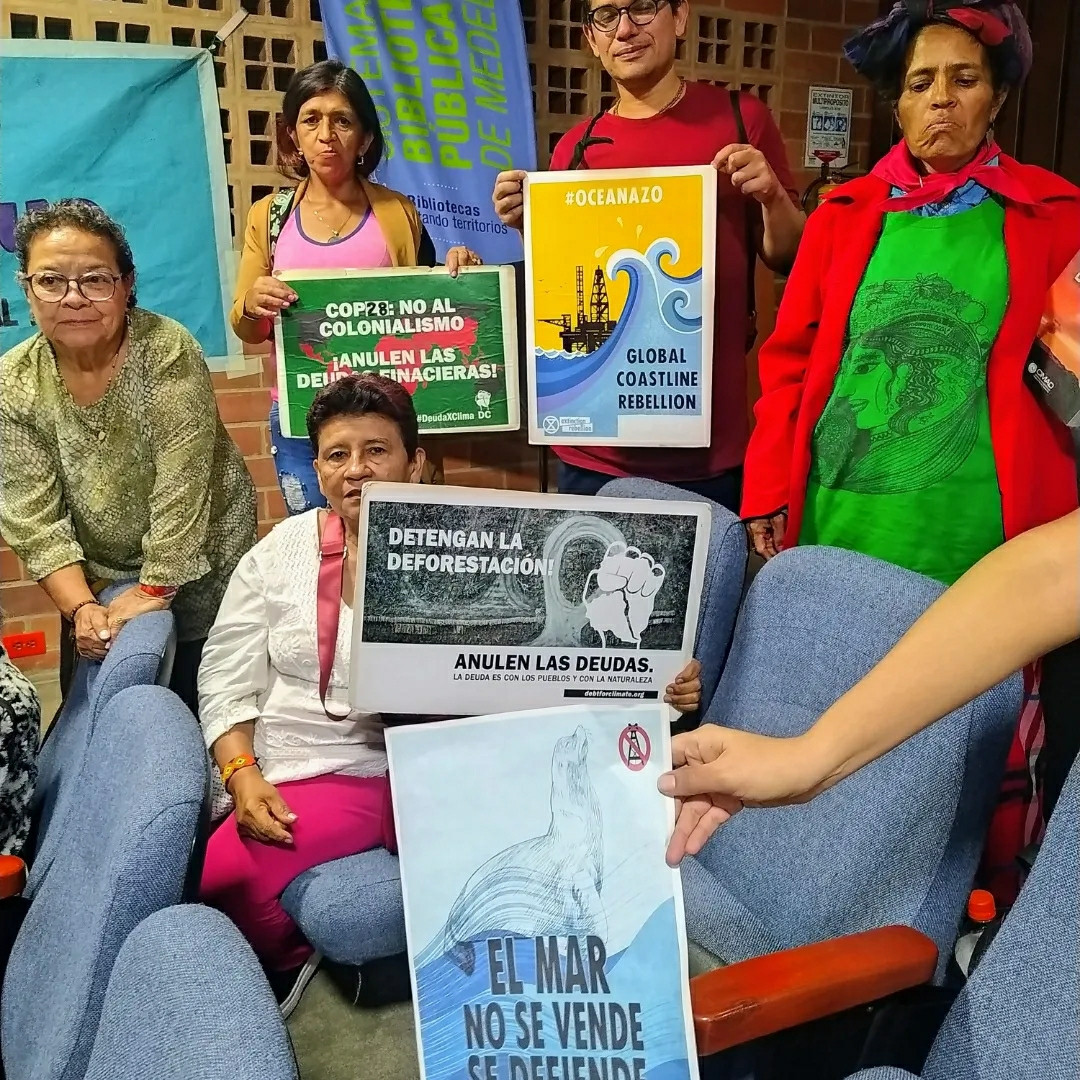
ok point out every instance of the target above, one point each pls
(550, 884)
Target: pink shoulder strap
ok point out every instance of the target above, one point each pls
(328, 600)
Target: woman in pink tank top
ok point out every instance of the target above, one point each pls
(330, 140)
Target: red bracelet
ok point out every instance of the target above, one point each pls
(159, 592)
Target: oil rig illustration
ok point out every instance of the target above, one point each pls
(581, 332)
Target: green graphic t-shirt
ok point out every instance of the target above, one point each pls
(902, 463)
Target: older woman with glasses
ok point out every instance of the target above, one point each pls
(116, 466)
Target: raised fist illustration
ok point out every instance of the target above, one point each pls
(624, 589)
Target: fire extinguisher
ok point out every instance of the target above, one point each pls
(829, 180)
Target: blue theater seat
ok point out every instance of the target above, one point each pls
(187, 1000)
(896, 843)
(123, 853)
(1016, 1017)
(140, 656)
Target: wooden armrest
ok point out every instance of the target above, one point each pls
(736, 1004)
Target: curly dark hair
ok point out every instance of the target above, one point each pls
(318, 79)
(358, 395)
(79, 214)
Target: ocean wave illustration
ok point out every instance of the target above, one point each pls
(645, 972)
(661, 310)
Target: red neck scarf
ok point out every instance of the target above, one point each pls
(899, 170)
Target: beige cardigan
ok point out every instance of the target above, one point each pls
(395, 213)
(401, 228)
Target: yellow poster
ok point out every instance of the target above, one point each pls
(620, 297)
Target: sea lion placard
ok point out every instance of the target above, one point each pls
(543, 923)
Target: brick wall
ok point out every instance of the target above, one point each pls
(814, 31)
(808, 51)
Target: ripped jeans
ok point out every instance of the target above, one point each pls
(295, 471)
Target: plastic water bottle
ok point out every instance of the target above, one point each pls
(981, 912)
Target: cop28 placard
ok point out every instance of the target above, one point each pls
(515, 599)
(450, 341)
(620, 282)
(546, 934)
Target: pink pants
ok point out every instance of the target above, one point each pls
(336, 816)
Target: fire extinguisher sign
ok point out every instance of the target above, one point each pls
(828, 127)
(635, 748)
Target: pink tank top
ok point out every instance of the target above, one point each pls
(362, 249)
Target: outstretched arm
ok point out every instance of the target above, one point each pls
(1018, 603)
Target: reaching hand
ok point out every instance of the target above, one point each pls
(261, 813)
(509, 198)
(685, 692)
(749, 171)
(767, 534)
(717, 771)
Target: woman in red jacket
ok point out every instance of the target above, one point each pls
(894, 419)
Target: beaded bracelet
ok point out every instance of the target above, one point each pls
(83, 603)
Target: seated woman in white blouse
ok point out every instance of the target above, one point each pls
(308, 788)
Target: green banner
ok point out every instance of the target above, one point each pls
(451, 342)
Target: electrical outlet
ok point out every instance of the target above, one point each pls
(19, 646)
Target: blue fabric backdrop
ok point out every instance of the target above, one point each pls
(451, 82)
(136, 130)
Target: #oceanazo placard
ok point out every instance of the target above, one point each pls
(504, 598)
(545, 932)
(620, 284)
(451, 342)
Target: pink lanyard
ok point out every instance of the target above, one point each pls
(328, 600)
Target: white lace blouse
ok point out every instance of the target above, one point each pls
(261, 663)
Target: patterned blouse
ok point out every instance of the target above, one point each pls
(20, 724)
(145, 484)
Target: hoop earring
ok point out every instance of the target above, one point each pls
(360, 162)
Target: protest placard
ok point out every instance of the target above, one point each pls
(1053, 370)
(620, 282)
(451, 342)
(513, 599)
(546, 933)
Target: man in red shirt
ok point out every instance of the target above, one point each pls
(660, 120)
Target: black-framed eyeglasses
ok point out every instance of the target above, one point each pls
(607, 17)
(51, 287)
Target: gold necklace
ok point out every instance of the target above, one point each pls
(659, 112)
(334, 233)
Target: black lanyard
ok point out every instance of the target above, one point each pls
(577, 160)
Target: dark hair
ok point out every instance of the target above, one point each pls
(318, 79)
(359, 395)
(78, 214)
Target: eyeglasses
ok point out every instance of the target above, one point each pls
(95, 285)
(640, 12)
